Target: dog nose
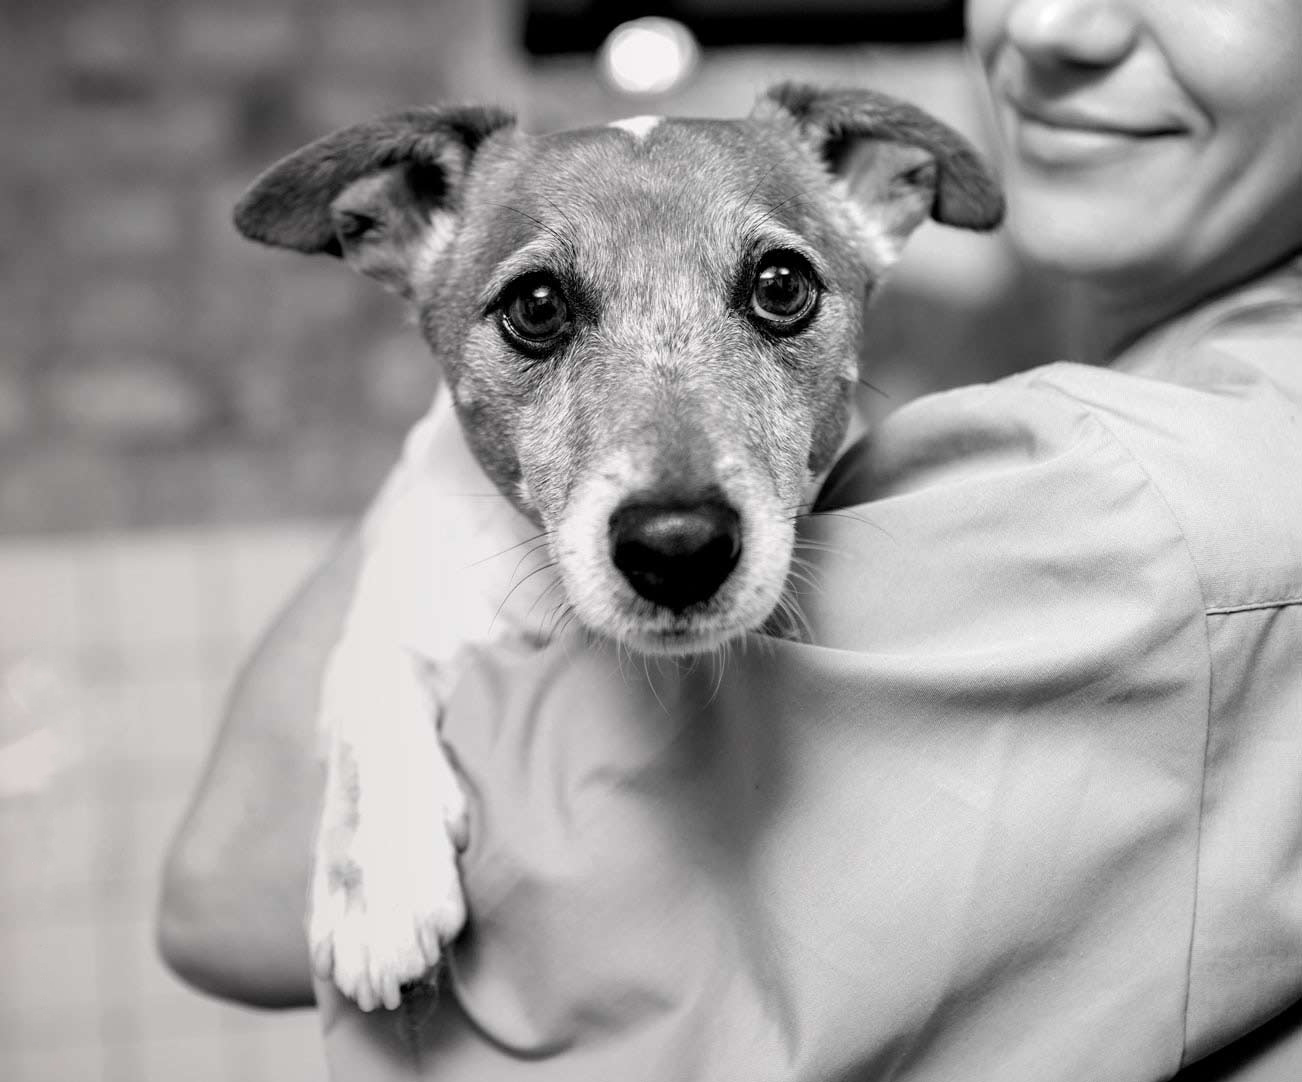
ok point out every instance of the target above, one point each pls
(675, 555)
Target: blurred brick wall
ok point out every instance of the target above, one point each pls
(154, 367)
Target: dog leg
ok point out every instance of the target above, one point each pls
(442, 569)
(386, 893)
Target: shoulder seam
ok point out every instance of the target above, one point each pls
(1254, 606)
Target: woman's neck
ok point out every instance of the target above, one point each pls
(1107, 318)
(1119, 320)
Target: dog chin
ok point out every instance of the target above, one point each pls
(678, 642)
(666, 635)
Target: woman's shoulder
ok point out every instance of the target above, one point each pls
(971, 515)
(1214, 418)
(1197, 432)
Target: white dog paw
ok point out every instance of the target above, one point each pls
(386, 889)
(372, 933)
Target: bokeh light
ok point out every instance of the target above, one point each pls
(648, 56)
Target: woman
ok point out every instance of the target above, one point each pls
(1030, 808)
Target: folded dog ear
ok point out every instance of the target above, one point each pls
(900, 165)
(370, 193)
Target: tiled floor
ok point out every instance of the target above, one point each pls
(115, 652)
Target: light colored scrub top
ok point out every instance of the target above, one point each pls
(1030, 809)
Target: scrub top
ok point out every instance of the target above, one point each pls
(1023, 802)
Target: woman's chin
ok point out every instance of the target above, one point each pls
(1077, 240)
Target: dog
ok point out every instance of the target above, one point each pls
(649, 336)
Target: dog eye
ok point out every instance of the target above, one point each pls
(784, 291)
(536, 314)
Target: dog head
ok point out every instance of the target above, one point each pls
(649, 329)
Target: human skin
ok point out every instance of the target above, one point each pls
(234, 891)
(1152, 152)
(1152, 149)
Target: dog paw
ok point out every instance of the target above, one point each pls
(372, 936)
(386, 889)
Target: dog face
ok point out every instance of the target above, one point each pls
(664, 355)
(650, 329)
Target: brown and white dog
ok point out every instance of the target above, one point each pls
(649, 335)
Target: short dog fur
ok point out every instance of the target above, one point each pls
(649, 333)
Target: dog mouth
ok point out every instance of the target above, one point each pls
(697, 632)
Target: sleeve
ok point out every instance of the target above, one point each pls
(953, 834)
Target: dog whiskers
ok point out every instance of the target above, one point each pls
(646, 671)
(786, 202)
(719, 659)
(537, 548)
(847, 515)
(568, 220)
(796, 511)
(555, 584)
(806, 576)
(814, 545)
(872, 387)
(512, 548)
(620, 651)
(751, 194)
(536, 571)
(790, 619)
(558, 620)
(538, 222)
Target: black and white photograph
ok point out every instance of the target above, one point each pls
(694, 541)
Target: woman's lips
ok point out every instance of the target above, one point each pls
(1055, 135)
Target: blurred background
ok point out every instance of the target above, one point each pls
(186, 421)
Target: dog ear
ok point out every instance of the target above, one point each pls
(375, 194)
(898, 163)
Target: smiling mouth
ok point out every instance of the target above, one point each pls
(1054, 136)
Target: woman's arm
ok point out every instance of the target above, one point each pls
(234, 889)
